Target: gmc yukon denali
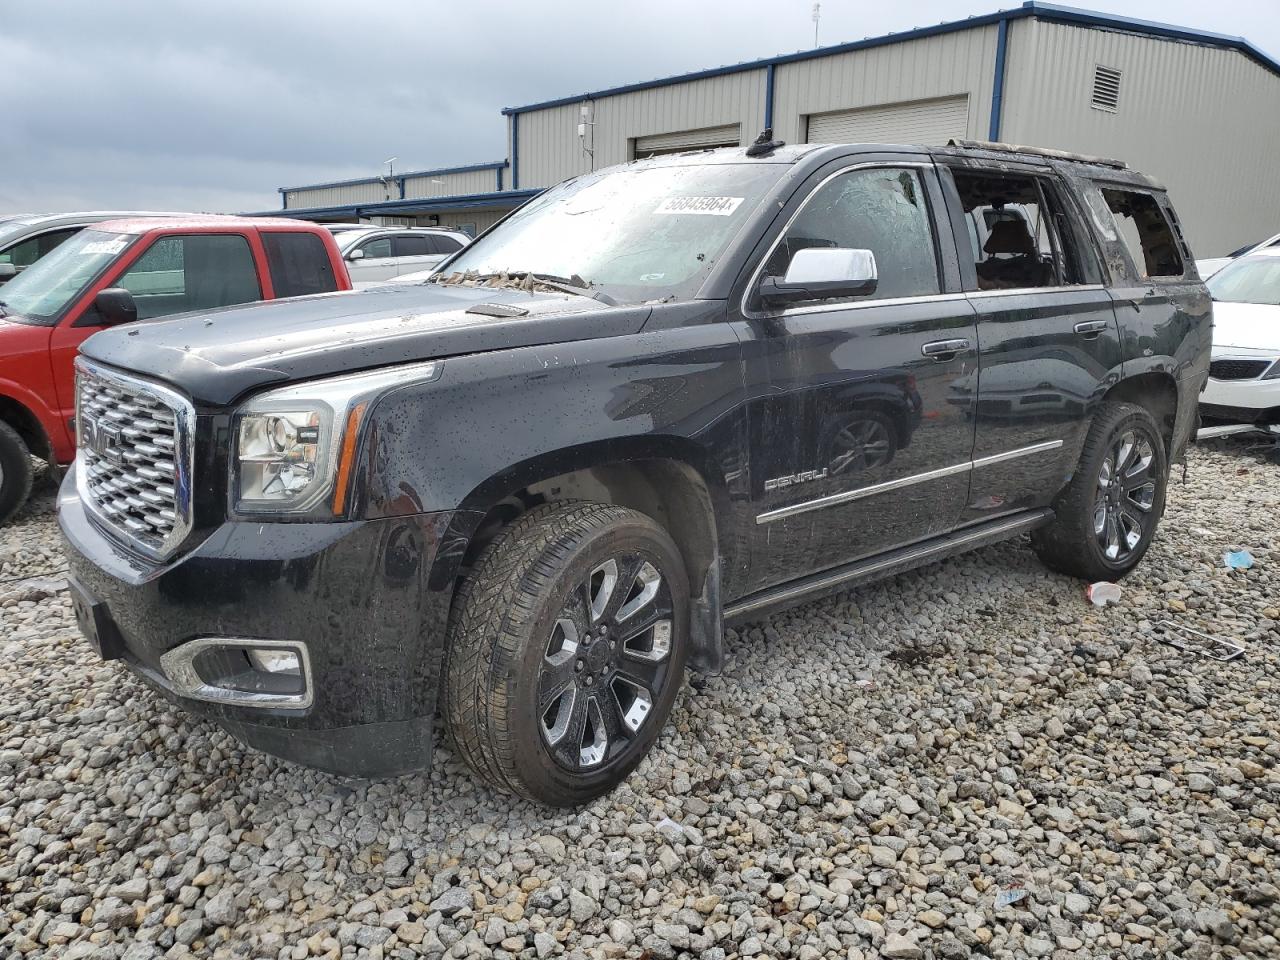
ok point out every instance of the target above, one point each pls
(529, 492)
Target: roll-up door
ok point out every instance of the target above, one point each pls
(920, 121)
(660, 143)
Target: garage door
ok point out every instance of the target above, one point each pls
(920, 121)
(660, 143)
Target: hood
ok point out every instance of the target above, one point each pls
(217, 356)
(1253, 326)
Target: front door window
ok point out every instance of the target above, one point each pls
(177, 274)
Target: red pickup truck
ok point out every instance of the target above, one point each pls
(123, 270)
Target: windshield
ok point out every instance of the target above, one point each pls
(1251, 280)
(44, 289)
(636, 234)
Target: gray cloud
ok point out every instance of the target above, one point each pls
(183, 105)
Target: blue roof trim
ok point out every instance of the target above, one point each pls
(1031, 8)
(442, 171)
(471, 201)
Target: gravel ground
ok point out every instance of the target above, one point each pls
(874, 775)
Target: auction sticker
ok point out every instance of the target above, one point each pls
(104, 246)
(708, 206)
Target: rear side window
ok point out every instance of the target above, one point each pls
(881, 210)
(410, 246)
(1146, 233)
(1019, 233)
(299, 264)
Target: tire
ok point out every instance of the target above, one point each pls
(15, 472)
(544, 657)
(1127, 511)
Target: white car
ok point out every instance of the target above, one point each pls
(25, 238)
(1244, 372)
(1207, 268)
(379, 254)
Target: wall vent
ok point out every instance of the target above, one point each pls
(1106, 88)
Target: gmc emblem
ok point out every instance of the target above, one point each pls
(102, 438)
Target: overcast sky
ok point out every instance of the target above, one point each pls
(169, 104)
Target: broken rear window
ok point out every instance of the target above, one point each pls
(1146, 232)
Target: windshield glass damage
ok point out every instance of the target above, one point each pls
(635, 234)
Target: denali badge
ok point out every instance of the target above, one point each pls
(778, 482)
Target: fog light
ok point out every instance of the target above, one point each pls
(275, 661)
(241, 671)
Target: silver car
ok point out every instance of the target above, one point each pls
(378, 254)
(25, 238)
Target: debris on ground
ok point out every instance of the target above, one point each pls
(1190, 640)
(1102, 593)
(1008, 896)
(1238, 559)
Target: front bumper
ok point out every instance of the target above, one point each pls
(370, 600)
(1246, 401)
(1242, 401)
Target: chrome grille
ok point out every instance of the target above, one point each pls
(133, 457)
(1237, 369)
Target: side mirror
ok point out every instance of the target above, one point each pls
(355, 255)
(822, 273)
(116, 305)
(7, 272)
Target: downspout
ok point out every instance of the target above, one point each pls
(997, 86)
(402, 188)
(768, 97)
(499, 173)
(284, 199)
(515, 151)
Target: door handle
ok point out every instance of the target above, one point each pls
(943, 350)
(1090, 329)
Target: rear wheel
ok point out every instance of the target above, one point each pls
(15, 472)
(1107, 516)
(566, 649)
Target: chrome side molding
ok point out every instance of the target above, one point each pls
(875, 489)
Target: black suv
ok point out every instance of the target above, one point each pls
(529, 492)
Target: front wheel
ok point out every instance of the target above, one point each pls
(15, 472)
(566, 649)
(1107, 516)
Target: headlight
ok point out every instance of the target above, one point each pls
(295, 447)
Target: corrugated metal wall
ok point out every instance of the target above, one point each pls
(451, 184)
(427, 185)
(337, 196)
(1203, 120)
(483, 219)
(928, 68)
(550, 149)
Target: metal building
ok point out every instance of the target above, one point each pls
(1165, 99)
